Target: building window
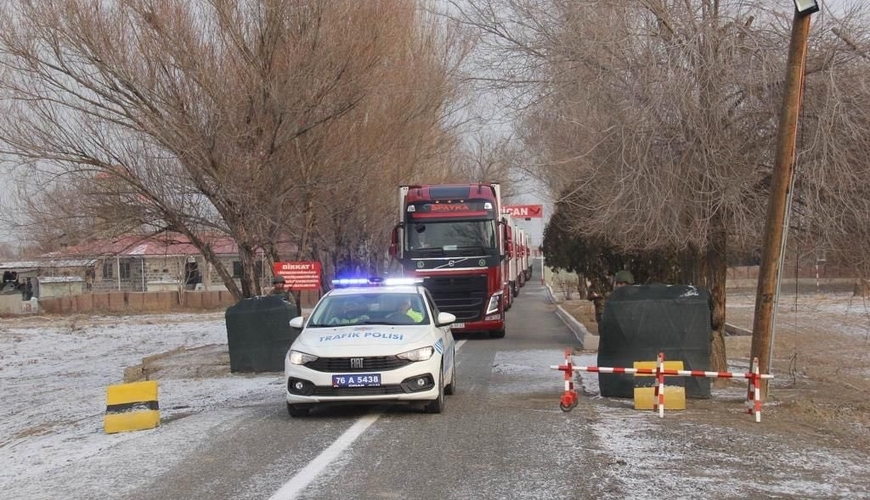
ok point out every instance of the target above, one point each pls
(124, 270)
(237, 268)
(108, 270)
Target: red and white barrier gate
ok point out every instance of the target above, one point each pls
(569, 397)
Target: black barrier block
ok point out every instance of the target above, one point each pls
(641, 321)
(259, 333)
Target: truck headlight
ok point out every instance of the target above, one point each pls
(421, 354)
(494, 301)
(300, 358)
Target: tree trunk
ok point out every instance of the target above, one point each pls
(717, 268)
(250, 280)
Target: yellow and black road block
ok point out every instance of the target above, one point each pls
(131, 407)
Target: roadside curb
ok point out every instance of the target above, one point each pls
(580, 332)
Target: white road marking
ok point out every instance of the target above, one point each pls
(304, 477)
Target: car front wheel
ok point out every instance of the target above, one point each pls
(451, 387)
(437, 405)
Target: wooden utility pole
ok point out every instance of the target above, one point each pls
(783, 172)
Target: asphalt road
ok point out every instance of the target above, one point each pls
(501, 436)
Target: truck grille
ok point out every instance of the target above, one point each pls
(463, 296)
(343, 365)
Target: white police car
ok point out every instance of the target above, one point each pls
(362, 343)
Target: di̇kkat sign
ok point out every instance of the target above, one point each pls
(299, 275)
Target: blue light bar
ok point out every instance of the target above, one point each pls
(375, 281)
(350, 281)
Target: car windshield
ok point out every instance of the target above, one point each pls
(370, 309)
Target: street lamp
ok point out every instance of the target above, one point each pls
(806, 6)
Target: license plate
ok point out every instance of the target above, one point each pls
(457, 325)
(357, 380)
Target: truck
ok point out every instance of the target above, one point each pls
(454, 237)
(514, 260)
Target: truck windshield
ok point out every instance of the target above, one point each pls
(451, 235)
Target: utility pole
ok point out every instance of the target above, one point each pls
(783, 172)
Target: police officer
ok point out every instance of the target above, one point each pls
(405, 308)
(351, 314)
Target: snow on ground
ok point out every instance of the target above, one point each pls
(54, 373)
(660, 458)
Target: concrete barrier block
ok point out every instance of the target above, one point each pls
(151, 301)
(227, 298)
(193, 300)
(135, 301)
(66, 304)
(50, 306)
(85, 303)
(117, 302)
(211, 299)
(101, 301)
(168, 300)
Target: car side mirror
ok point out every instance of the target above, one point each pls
(297, 322)
(445, 319)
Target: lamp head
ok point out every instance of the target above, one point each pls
(806, 6)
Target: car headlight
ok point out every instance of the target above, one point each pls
(421, 354)
(300, 358)
(493, 303)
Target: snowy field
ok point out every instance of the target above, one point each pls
(54, 373)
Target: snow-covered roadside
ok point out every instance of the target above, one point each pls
(656, 458)
(54, 376)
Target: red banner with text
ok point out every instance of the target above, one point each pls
(525, 211)
(299, 275)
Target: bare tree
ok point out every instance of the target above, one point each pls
(653, 120)
(212, 116)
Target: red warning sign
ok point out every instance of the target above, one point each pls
(299, 275)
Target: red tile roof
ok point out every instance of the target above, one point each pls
(166, 245)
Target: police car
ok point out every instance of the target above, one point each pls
(372, 340)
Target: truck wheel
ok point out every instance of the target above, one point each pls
(496, 334)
